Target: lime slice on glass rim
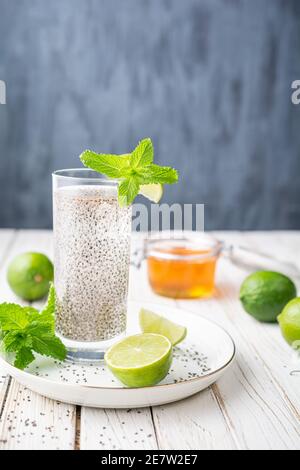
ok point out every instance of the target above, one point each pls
(140, 360)
(153, 192)
(152, 323)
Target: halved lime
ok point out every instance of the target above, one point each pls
(150, 322)
(153, 192)
(140, 360)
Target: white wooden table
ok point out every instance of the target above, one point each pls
(254, 406)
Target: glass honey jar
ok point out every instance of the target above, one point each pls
(183, 268)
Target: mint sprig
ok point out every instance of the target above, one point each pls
(24, 330)
(131, 170)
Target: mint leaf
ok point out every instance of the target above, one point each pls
(128, 190)
(47, 313)
(49, 308)
(49, 345)
(32, 314)
(13, 316)
(158, 174)
(142, 154)
(24, 357)
(15, 340)
(36, 328)
(113, 166)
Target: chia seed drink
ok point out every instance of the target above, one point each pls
(91, 260)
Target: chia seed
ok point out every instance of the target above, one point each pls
(91, 257)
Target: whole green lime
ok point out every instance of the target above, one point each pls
(264, 294)
(29, 275)
(289, 321)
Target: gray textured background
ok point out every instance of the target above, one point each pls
(208, 80)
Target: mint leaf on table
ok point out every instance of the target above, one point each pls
(24, 330)
(50, 345)
(46, 315)
(13, 316)
(24, 357)
(15, 340)
(49, 308)
(131, 170)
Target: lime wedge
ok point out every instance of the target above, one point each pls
(153, 192)
(140, 360)
(152, 323)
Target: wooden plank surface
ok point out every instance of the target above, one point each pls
(256, 405)
(28, 420)
(117, 429)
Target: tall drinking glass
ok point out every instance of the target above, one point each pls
(91, 262)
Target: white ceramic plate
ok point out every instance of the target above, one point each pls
(206, 354)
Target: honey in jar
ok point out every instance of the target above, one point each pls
(183, 269)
